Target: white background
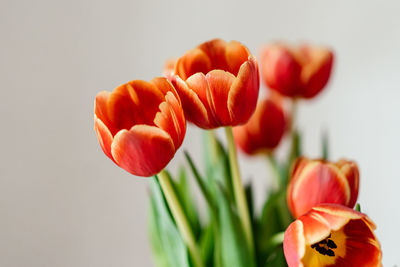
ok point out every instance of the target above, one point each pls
(63, 203)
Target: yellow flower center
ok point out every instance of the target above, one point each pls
(326, 251)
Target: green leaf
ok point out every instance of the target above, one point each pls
(201, 183)
(325, 145)
(249, 197)
(159, 257)
(217, 165)
(275, 217)
(296, 145)
(358, 207)
(234, 251)
(276, 258)
(171, 250)
(207, 245)
(187, 201)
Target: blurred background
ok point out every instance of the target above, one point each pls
(64, 203)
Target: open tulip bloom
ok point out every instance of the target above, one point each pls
(332, 235)
(307, 218)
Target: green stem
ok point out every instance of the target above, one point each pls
(240, 196)
(180, 218)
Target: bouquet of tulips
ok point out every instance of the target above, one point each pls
(309, 216)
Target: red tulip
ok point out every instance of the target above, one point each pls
(332, 235)
(296, 72)
(140, 125)
(218, 84)
(265, 129)
(317, 181)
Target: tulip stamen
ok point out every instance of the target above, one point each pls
(325, 247)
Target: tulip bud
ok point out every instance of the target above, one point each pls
(218, 84)
(265, 129)
(317, 181)
(296, 72)
(140, 125)
(332, 235)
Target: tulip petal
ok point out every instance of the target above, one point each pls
(143, 150)
(321, 183)
(165, 86)
(294, 244)
(298, 166)
(195, 111)
(146, 96)
(315, 227)
(243, 95)
(219, 84)
(104, 136)
(167, 119)
(315, 74)
(195, 60)
(179, 118)
(215, 50)
(198, 83)
(236, 54)
(101, 110)
(121, 108)
(280, 70)
(363, 249)
(352, 174)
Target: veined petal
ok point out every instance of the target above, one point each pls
(215, 50)
(195, 60)
(165, 86)
(294, 244)
(167, 119)
(317, 183)
(243, 94)
(236, 54)
(219, 83)
(352, 174)
(104, 135)
(143, 150)
(194, 108)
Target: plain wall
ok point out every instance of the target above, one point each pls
(63, 203)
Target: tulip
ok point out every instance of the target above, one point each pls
(299, 72)
(265, 129)
(314, 182)
(218, 84)
(169, 68)
(332, 235)
(140, 125)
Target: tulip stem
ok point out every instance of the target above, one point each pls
(238, 189)
(180, 218)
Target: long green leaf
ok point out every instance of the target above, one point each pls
(216, 165)
(171, 242)
(234, 251)
(187, 201)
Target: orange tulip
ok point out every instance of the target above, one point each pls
(332, 235)
(296, 72)
(317, 181)
(265, 128)
(140, 125)
(218, 83)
